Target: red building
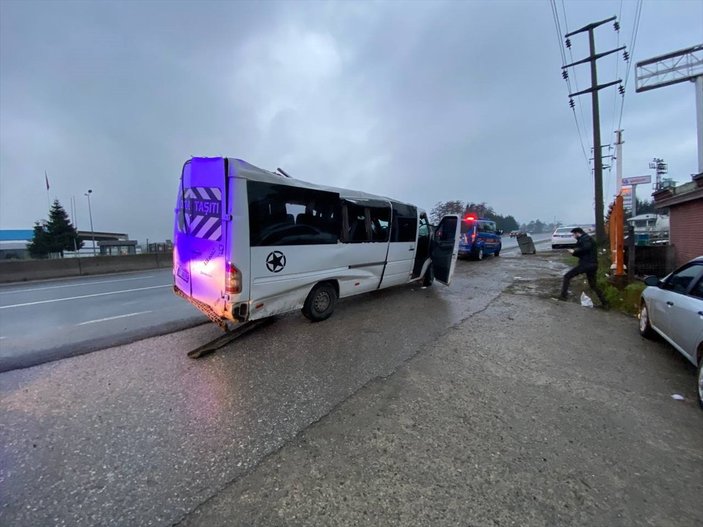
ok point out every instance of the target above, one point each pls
(685, 204)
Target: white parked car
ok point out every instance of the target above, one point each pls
(673, 308)
(562, 237)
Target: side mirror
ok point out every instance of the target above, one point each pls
(652, 281)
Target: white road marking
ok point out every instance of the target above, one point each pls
(83, 296)
(73, 285)
(113, 318)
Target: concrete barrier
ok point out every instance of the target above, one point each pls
(26, 270)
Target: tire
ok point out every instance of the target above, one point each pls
(700, 381)
(645, 327)
(320, 303)
(497, 253)
(478, 255)
(428, 280)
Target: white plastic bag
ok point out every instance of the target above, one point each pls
(586, 300)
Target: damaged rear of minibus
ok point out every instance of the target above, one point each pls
(250, 244)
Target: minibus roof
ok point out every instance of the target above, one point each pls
(253, 173)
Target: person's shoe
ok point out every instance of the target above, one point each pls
(561, 298)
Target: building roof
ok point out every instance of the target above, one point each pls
(673, 196)
(16, 235)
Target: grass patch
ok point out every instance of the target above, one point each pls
(624, 299)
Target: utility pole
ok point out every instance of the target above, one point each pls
(593, 90)
(618, 161)
(90, 215)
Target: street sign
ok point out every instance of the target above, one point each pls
(626, 193)
(636, 180)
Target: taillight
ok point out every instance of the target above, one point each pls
(473, 236)
(233, 280)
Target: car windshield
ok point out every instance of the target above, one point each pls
(565, 230)
(467, 226)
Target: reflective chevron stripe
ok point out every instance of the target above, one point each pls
(203, 212)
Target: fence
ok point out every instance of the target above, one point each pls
(657, 260)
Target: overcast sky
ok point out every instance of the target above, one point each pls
(420, 101)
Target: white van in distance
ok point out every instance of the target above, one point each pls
(250, 243)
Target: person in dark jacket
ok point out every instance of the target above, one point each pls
(586, 252)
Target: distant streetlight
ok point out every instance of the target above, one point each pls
(90, 214)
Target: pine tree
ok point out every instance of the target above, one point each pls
(61, 233)
(39, 247)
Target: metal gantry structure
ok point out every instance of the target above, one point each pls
(685, 65)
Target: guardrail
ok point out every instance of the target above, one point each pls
(27, 270)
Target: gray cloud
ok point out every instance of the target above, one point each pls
(423, 101)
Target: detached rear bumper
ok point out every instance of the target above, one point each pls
(207, 310)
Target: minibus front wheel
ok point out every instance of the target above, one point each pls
(320, 303)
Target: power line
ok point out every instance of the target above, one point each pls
(571, 56)
(617, 68)
(557, 26)
(633, 42)
(616, 26)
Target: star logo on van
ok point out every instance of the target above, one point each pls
(276, 261)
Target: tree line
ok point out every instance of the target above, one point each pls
(55, 235)
(481, 210)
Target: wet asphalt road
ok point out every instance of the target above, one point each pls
(141, 435)
(562, 417)
(53, 319)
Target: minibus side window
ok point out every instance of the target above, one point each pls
(380, 223)
(287, 215)
(404, 228)
(357, 231)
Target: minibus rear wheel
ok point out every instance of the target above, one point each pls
(320, 303)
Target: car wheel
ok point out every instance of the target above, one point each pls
(700, 381)
(429, 277)
(645, 327)
(497, 253)
(320, 303)
(479, 254)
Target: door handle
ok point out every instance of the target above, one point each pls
(669, 304)
(411, 249)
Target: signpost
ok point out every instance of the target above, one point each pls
(637, 180)
(633, 182)
(626, 193)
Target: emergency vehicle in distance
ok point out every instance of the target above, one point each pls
(249, 243)
(479, 237)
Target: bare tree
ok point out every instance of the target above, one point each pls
(442, 208)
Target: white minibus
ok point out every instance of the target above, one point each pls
(249, 243)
